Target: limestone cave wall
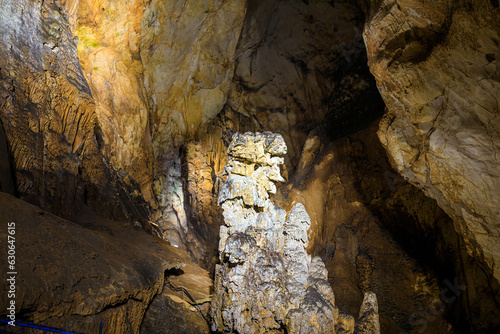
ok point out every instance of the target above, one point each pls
(436, 67)
(389, 110)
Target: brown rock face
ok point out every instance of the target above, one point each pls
(436, 66)
(159, 71)
(173, 311)
(300, 63)
(187, 48)
(46, 108)
(354, 200)
(266, 281)
(75, 278)
(108, 46)
(48, 114)
(129, 107)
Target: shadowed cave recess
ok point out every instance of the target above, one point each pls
(347, 154)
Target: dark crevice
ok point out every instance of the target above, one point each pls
(355, 104)
(7, 167)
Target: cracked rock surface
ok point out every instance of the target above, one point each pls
(437, 69)
(266, 281)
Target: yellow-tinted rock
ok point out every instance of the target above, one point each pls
(46, 106)
(187, 50)
(108, 35)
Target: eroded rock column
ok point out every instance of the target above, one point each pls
(266, 281)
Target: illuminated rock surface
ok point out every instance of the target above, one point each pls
(266, 281)
(128, 108)
(56, 147)
(159, 72)
(46, 106)
(437, 68)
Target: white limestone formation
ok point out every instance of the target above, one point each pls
(266, 282)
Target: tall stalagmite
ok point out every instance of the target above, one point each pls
(266, 281)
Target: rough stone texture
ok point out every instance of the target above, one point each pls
(173, 224)
(108, 35)
(437, 69)
(187, 50)
(251, 296)
(266, 281)
(302, 63)
(373, 231)
(205, 158)
(86, 137)
(46, 106)
(48, 115)
(368, 322)
(159, 71)
(173, 311)
(298, 64)
(73, 277)
(6, 176)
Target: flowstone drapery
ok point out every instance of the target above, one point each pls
(266, 282)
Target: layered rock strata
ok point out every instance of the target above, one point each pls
(266, 281)
(99, 279)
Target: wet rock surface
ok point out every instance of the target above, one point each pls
(266, 281)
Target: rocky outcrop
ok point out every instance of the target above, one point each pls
(368, 322)
(159, 72)
(187, 50)
(266, 281)
(154, 75)
(298, 64)
(108, 37)
(173, 311)
(437, 69)
(78, 278)
(48, 114)
(107, 130)
(140, 133)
